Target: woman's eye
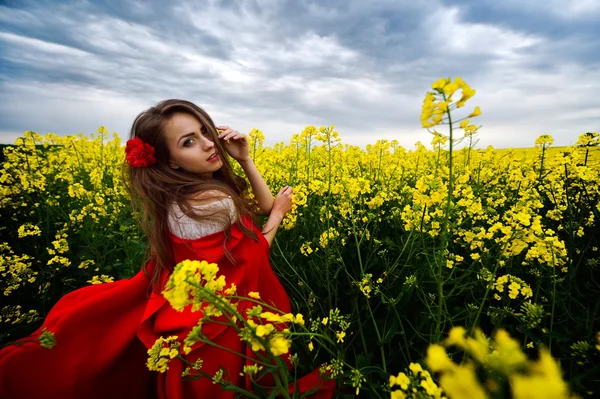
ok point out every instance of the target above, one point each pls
(185, 143)
(205, 133)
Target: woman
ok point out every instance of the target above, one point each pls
(192, 207)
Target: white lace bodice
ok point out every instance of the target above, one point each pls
(187, 228)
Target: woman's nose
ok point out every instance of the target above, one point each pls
(207, 144)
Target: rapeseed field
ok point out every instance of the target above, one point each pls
(436, 271)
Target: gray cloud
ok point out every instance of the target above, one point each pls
(281, 65)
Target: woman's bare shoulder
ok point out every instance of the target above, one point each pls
(207, 197)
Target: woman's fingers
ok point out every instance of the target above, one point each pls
(283, 202)
(231, 135)
(223, 130)
(225, 134)
(237, 136)
(285, 190)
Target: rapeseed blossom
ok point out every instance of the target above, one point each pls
(188, 275)
(528, 379)
(163, 350)
(544, 141)
(28, 229)
(414, 383)
(588, 139)
(101, 279)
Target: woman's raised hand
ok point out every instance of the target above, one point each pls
(236, 143)
(283, 201)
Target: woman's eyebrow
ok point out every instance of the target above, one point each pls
(185, 135)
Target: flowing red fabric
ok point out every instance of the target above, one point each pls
(103, 333)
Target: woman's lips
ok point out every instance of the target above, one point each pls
(213, 158)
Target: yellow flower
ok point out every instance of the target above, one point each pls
(279, 345)
(476, 112)
(305, 249)
(28, 229)
(514, 289)
(507, 355)
(101, 279)
(588, 139)
(461, 83)
(425, 123)
(543, 382)
(254, 295)
(231, 290)
(450, 88)
(437, 359)
(401, 379)
(299, 319)
(325, 320)
(178, 289)
(456, 336)
(479, 346)
(340, 336)
(276, 318)
(256, 345)
(462, 383)
(160, 355)
(439, 84)
(266, 329)
(430, 387)
(311, 347)
(543, 141)
(397, 394)
(526, 292)
(467, 93)
(415, 368)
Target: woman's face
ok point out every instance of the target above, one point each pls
(190, 146)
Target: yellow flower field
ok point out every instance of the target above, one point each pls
(387, 251)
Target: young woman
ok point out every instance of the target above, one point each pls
(192, 207)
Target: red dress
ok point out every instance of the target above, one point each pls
(103, 333)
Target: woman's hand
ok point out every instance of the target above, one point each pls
(235, 144)
(283, 202)
(281, 206)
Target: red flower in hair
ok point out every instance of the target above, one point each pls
(139, 154)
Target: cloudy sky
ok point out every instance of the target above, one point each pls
(280, 65)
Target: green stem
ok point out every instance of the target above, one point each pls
(379, 340)
(281, 387)
(542, 162)
(440, 282)
(487, 290)
(553, 296)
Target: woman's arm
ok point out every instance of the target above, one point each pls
(261, 191)
(236, 146)
(281, 205)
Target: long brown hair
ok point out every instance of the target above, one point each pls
(155, 188)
